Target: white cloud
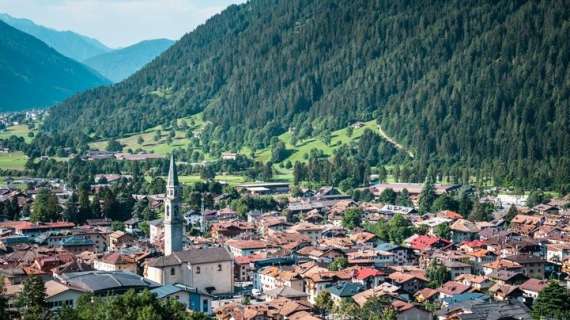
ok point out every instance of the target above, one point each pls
(118, 22)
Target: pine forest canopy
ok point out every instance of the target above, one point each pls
(482, 83)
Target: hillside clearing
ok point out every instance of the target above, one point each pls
(13, 161)
(161, 146)
(20, 130)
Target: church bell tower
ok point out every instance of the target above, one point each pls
(173, 227)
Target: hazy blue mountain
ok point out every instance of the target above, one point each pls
(119, 64)
(34, 75)
(68, 43)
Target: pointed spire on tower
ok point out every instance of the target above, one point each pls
(172, 174)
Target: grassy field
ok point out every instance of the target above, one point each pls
(20, 130)
(13, 160)
(297, 152)
(282, 174)
(304, 147)
(230, 179)
(161, 146)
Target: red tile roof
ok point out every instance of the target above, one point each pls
(26, 225)
(449, 215)
(426, 242)
(366, 273)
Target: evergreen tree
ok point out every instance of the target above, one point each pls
(278, 152)
(465, 203)
(45, 207)
(427, 196)
(114, 146)
(404, 199)
(513, 211)
(32, 300)
(445, 202)
(207, 172)
(84, 204)
(479, 213)
(71, 212)
(535, 198)
(96, 206)
(553, 302)
(326, 137)
(111, 208)
(3, 301)
(388, 196)
(349, 131)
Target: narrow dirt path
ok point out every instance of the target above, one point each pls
(394, 142)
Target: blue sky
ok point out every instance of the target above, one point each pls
(118, 23)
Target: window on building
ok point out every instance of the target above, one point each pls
(197, 269)
(172, 271)
(219, 267)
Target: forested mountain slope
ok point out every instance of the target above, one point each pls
(70, 44)
(119, 64)
(478, 82)
(35, 75)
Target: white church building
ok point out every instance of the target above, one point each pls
(207, 269)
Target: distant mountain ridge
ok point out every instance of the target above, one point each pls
(68, 43)
(34, 75)
(119, 64)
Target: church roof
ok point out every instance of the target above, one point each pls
(172, 174)
(192, 256)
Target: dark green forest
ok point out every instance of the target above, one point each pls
(483, 85)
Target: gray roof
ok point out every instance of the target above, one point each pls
(192, 256)
(497, 311)
(387, 246)
(169, 289)
(345, 289)
(105, 281)
(286, 292)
